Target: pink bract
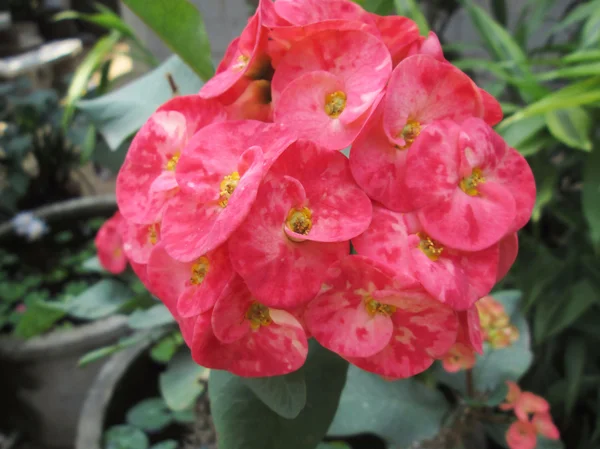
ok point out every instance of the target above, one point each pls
(219, 175)
(460, 357)
(456, 278)
(189, 288)
(545, 426)
(139, 240)
(471, 187)
(470, 329)
(279, 271)
(146, 181)
(371, 319)
(521, 435)
(323, 88)
(258, 340)
(398, 34)
(245, 58)
(109, 244)
(306, 12)
(528, 404)
(423, 90)
(509, 249)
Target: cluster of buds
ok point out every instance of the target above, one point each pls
(533, 418)
(239, 209)
(495, 324)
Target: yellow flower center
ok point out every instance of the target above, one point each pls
(335, 103)
(152, 234)
(299, 220)
(241, 63)
(258, 315)
(409, 133)
(172, 163)
(376, 308)
(469, 185)
(430, 247)
(227, 187)
(199, 270)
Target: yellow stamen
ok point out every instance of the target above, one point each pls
(335, 103)
(199, 270)
(227, 187)
(172, 163)
(152, 234)
(469, 185)
(299, 220)
(430, 247)
(117, 252)
(409, 133)
(258, 315)
(375, 307)
(241, 63)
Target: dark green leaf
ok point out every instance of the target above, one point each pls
(180, 384)
(153, 317)
(93, 60)
(285, 395)
(575, 356)
(108, 20)
(180, 26)
(402, 412)
(334, 445)
(583, 296)
(571, 126)
(244, 422)
(119, 114)
(150, 415)
(101, 300)
(125, 437)
(186, 416)
(590, 35)
(168, 444)
(39, 317)
(499, 10)
(497, 396)
(590, 195)
(578, 14)
(522, 131)
(166, 348)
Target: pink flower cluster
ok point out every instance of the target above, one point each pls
(533, 418)
(239, 207)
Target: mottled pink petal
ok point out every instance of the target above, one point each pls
(470, 329)
(509, 248)
(429, 46)
(422, 90)
(521, 435)
(460, 357)
(305, 12)
(545, 426)
(139, 240)
(492, 111)
(206, 349)
(191, 228)
(342, 54)
(280, 272)
(140, 270)
(145, 183)
(379, 166)
(109, 244)
(528, 404)
(513, 394)
(340, 209)
(398, 34)
(338, 318)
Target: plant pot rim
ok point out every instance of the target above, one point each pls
(60, 342)
(65, 210)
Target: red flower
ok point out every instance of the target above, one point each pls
(109, 244)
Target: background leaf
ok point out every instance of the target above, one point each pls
(180, 383)
(285, 395)
(180, 25)
(100, 300)
(155, 316)
(402, 412)
(575, 356)
(590, 195)
(125, 437)
(150, 415)
(244, 422)
(39, 317)
(571, 126)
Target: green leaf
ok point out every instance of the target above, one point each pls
(571, 126)
(180, 384)
(590, 35)
(107, 19)
(180, 26)
(123, 343)
(402, 412)
(39, 317)
(155, 316)
(93, 60)
(590, 195)
(575, 356)
(285, 395)
(578, 14)
(583, 296)
(582, 56)
(167, 444)
(93, 265)
(166, 348)
(150, 415)
(547, 179)
(579, 71)
(119, 114)
(243, 421)
(497, 396)
(517, 134)
(125, 437)
(186, 416)
(496, 366)
(100, 300)
(334, 445)
(410, 8)
(499, 10)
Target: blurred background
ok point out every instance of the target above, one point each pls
(78, 78)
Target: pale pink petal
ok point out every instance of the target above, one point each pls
(398, 34)
(528, 404)
(545, 426)
(139, 240)
(340, 209)
(280, 273)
